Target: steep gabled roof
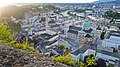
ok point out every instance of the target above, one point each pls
(88, 36)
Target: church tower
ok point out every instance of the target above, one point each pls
(46, 23)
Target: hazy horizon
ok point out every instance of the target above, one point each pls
(7, 2)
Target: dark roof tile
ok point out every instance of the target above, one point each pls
(75, 28)
(88, 36)
(109, 53)
(88, 31)
(72, 31)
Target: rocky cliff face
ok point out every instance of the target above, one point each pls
(11, 57)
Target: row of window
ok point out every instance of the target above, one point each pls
(107, 44)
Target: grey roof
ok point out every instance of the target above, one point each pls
(118, 47)
(118, 63)
(41, 48)
(88, 31)
(48, 43)
(98, 28)
(72, 31)
(113, 33)
(57, 49)
(38, 30)
(52, 21)
(52, 17)
(55, 25)
(76, 52)
(109, 53)
(51, 37)
(82, 49)
(75, 28)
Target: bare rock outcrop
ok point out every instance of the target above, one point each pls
(12, 57)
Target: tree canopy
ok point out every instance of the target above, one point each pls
(112, 14)
(101, 63)
(6, 37)
(10, 24)
(102, 35)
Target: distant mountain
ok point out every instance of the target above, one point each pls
(118, 0)
(107, 1)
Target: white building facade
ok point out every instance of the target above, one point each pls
(112, 42)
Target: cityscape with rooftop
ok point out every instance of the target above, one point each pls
(60, 33)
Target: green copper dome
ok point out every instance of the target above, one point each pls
(94, 31)
(82, 32)
(86, 24)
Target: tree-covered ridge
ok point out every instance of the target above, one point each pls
(15, 27)
(112, 14)
(19, 11)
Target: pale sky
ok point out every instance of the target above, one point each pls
(4, 2)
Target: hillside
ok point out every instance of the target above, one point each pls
(107, 2)
(12, 57)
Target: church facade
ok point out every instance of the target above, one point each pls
(85, 33)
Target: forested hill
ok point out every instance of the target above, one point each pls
(19, 11)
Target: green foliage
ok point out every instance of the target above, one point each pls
(46, 35)
(79, 10)
(110, 65)
(6, 36)
(14, 26)
(79, 64)
(67, 59)
(26, 46)
(74, 15)
(32, 51)
(63, 48)
(102, 35)
(10, 24)
(90, 61)
(112, 14)
(23, 46)
(118, 27)
(101, 63)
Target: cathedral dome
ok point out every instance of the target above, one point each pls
(86, 24)
(94, 31)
